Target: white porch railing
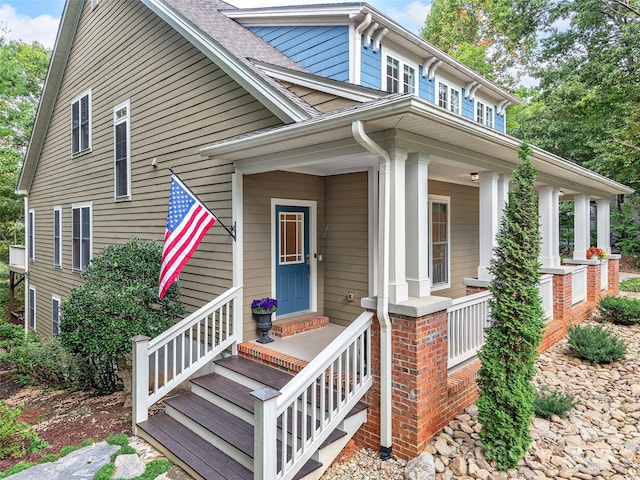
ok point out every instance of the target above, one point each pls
(546, 293)
(161, 364)
(17, 256)
(579, 284)
(604, 275)
(324, 391)
(468, 317)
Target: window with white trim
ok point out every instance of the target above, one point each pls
(449, 98)
(57, 236)
(439, 242)
(32, 308)
(81, 233)
(32, 234)
(122, 151)
(81, 124)
(55, 315)
(484, 114)
(400, 76)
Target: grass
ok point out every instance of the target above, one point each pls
(630, 285)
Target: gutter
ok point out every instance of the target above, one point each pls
(384, 209)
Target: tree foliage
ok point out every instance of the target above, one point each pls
(23, 68)
(505, 404)
(118, 300)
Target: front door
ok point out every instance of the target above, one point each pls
(293, 275)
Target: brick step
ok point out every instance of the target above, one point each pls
(293, 326)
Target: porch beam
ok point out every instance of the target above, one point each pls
(581, 226)
(604, 223)
(548, 209)
(417, 225)
(398, 287)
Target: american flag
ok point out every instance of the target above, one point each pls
(187, 222)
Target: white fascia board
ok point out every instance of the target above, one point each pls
(306, 14)
(333, 87)
(276, 102)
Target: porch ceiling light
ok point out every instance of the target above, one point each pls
(475, 177)
(561, 193)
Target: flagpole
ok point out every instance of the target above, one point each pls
(231, 231)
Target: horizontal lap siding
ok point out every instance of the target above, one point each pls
(464, 234)
(346, 246)
(179, 102)
(324, 102)
(259, 189)
(371, 68)
(323, 50)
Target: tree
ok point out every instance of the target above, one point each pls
(118, 300)
(23, 68)
(505, 404)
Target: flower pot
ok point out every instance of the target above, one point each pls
(264, 325)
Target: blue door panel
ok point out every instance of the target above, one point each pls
(293, 279)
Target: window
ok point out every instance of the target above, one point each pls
(439, 251)
(396, 84)
(32, 308)
(122, 155)
(81, 236)
(81, 124)
(32, 235)
(448, 98)
(57, 236)
(291, 237)
(55, 315)
(484, 114)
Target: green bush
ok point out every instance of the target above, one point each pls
(596, 344)
(11, 335)
(552, 402)
(630, 285)
(119, 300)
(15, 436)
(620, 310)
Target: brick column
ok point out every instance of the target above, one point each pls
(593, 282)
(562, 297)
(614, 275)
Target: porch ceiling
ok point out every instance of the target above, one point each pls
(456, 147)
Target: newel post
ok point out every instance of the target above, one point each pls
(265, 439)
(140, 380)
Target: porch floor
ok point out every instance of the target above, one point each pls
(304, 346)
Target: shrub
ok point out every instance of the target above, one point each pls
(119, 300)
(11, 335)
(505, 404)
(620, 310)
(630, 285)
(596, 344)
(15, 436)
(552, 402)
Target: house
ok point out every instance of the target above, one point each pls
(364, 172)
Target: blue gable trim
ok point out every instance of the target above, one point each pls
(323, 50)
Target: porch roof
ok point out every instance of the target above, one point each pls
(324, 145)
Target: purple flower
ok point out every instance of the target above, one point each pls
(264, 305)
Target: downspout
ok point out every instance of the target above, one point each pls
(384, 209)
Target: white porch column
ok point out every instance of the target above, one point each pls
(488, 221)
(503, 195)
(417, 225)
(548, 209)
(581, 226)
(398, 288)
(604, 224)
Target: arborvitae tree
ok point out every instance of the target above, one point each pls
(505, 405)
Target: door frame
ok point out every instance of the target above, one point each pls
(313, 248)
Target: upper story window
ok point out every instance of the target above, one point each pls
(439, 242)
(484, 114)
(81, 236)
(32, 234)
(57, 236)
(122, 151)
(400, 76)
(81, 124)
(449, 98)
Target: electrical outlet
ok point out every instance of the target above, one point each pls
(351, 296)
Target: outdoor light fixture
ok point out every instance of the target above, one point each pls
(475, 177)
(561, 193)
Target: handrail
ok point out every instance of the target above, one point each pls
(325, 391)
(163, 363)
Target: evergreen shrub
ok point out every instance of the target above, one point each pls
(552, 402)
(620, 310)
(630, 285)
(596, 344)
(505, 404)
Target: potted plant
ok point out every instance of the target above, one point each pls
(595, 253)
(262, 308)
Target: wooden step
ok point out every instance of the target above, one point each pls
(293, 326)
(251, 374)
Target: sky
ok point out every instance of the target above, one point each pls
(37, 20)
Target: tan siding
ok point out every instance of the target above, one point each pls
(258, 192)
(346, 245)
(179, 103)
(464, 234)
(324, 102)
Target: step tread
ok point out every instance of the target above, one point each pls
(227, 389)
(268, 376)
(206, 460)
